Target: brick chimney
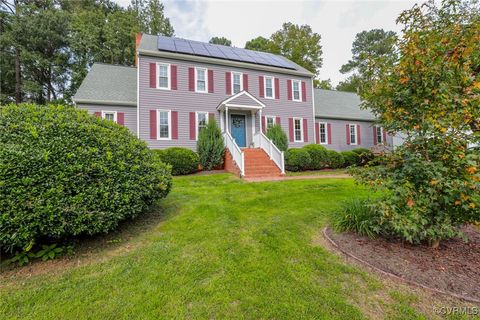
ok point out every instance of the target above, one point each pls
(138, 38)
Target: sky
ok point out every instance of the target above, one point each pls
(336, 21)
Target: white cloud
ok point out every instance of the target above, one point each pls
(336, 21)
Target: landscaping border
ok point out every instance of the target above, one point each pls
(394, 276)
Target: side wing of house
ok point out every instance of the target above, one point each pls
(123, 115)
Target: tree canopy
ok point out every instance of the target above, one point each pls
(258, 44)
(220, 40)
(323, 84)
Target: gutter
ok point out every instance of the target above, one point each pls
(106, 102)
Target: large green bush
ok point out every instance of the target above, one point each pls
(335, 159)
(318, 155)
(350, 158)
(298, 159)
(182, 160)
(365, 156)
(210, 146)
(65, 173)
(278, 137)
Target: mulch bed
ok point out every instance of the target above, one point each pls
(454, 267)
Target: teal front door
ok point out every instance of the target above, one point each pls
(237, 125)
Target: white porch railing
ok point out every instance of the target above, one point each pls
(261, 141)
(237, 154)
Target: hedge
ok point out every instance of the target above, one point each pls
(350, 158)
(65, 173)
(365, 156)
(182, 160)
(318, 155)
(298, 159)
(335, 159)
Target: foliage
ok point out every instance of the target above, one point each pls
(318, 155)
(298, 159)
(221, 40)
(365, 156)
(335, 159)
(278, 137)
(357, 215)
(350, 158)
(258, 44)
(323, 84)
(210, 146)
(182, 160)
(431, 93)
(151, 17)
(65, 173)
(351, 84)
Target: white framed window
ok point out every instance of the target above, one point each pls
(164, 125)
(237, 84)
(201, 80)
(109, 115)
(163, 76)
(201, 121)
(270, 121)
(269, 87)
(353, 134)
(298, 129)
(379, 135)
(323, 133)
(296, 90)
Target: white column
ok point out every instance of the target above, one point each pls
(253, 124)
(226, 120)
(222, 127)
(260, 120)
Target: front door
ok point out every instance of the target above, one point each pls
(237, 124)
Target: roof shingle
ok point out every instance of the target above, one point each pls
(333, 104)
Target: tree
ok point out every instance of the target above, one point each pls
(151, 17)
(367, 44)
(431, 93)
(323, 84)
(220, 40)
(258, 44)
(351, 84)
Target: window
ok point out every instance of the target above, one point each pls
(237, 85)
(109, 115)
(164, 124)
(353, 134)
(323, 133)
(269, 93)
(298, 129)
(270, 122)
(296, 90)
(163, 76)
(202, 120)
(379, 135)
(201, 80)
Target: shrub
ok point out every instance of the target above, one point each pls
(318, 155)
(210, 146)
(65, 173)
(350, 158)
(358, 216)
(298, 160)
(365, 156)
(182, 160)
(278, 137)
(335, 159)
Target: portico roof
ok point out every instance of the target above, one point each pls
(243, 101)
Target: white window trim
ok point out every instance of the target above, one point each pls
(301, 130)
(169, 124)
(299, 91)
(168, 74)
(196, 122)
(241, 82)
(265, 87)
(381, 135)
(266, 121)
(206, 80)
(350, 133)
(114, 114)
(326, 133)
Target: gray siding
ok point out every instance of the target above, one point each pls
(130, 113)
(185, 101)
(339, 135)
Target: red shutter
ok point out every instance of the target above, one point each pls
(98, 114)
(193, 133)
(290, 129)
(264, 124)
(245, 82)
(375, 135)
(174, 125)
(228, 83)
(305, 130)
(173, 71)
(277, 88)
(304, 91)
(278, 121)
(210, 81)
(261, 88)
(317, 132)
(211, 116)
(153, 124)
(384, 137)
(359, 136)
(191, 79)
(153, 75)
(289, 89)
(121, 118)
(329, 130)
(348, 133)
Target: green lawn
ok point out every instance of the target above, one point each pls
(317, 172)
(222, 249)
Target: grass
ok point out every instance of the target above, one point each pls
(325, 172)
(223, 249)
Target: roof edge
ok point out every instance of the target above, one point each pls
(345, 118)
(105, 102)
